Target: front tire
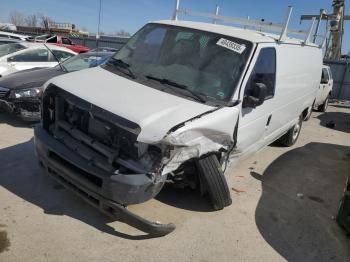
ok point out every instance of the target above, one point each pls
(291, 137)
(211, 175)
(324, 106)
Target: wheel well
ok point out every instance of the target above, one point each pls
(305, 112)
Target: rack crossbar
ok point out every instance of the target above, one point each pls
(259, 25)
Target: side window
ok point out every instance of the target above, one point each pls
(60, 55)
(34, 55)
(330, 73)
(325, 75)
(66, 41)
(52, 39)
(264, 72)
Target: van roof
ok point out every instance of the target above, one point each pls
(247, 34)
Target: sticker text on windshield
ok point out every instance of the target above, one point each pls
(231, 45)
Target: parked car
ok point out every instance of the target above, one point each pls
(20, 56)
(104, 49)
(174, 104)
(20, 92)
(62, 41)
(15, 36)
(324, 90)
(4, 41)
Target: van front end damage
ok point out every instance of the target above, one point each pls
(205, 134)
(99, 155)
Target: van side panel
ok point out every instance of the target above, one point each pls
(298, 75)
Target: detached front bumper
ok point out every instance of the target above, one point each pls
(108, 192)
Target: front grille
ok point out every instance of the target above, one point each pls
(3, 92)
(104, 139)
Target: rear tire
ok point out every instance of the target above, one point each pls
(210, 173)
(324, 106)
(292, 135)
(308, 114)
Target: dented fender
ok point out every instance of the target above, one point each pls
(205, 134)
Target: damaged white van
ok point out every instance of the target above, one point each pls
(174, 105)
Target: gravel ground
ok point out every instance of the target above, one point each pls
(284, 203)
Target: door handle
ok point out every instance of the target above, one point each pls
(268, 120)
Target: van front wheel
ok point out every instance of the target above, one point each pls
(292, 135)
(214, 182)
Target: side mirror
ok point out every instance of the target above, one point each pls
(257, 97)
(10, 59)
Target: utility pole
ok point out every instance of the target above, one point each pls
(336, 25)
(98, 25)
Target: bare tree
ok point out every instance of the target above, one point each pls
(44, 20)
(17, 18)
(31, 20)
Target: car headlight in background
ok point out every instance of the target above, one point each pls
(27, 93)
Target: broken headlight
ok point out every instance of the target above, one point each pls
(26, 93)
(152, 156)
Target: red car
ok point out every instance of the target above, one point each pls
(62, 41)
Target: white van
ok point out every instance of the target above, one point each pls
(174, 104)
(324, 89)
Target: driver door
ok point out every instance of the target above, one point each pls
(255, 122)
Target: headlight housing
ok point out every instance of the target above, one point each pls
(27, 93)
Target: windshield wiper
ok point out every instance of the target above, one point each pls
(198, 97)
(120, 63)
(58, 61)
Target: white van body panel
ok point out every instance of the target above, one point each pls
(297, 72)
(156, 112)
(324, 89)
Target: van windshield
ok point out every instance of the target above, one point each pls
(204, 63)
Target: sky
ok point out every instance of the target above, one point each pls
(130, 15)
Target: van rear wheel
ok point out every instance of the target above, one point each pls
(214, 182)
(292, 135)
(323, 107)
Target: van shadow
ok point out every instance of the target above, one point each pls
(301, 191)
(21, 175)
(14, 121)
(341, 121)
(187, 199)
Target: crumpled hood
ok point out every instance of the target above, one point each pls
(30, 78)
(156, 112)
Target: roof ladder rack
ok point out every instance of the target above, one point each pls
(259, 25)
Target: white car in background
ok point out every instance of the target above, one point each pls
(325, 89)
(15, 36)
(21, 56)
